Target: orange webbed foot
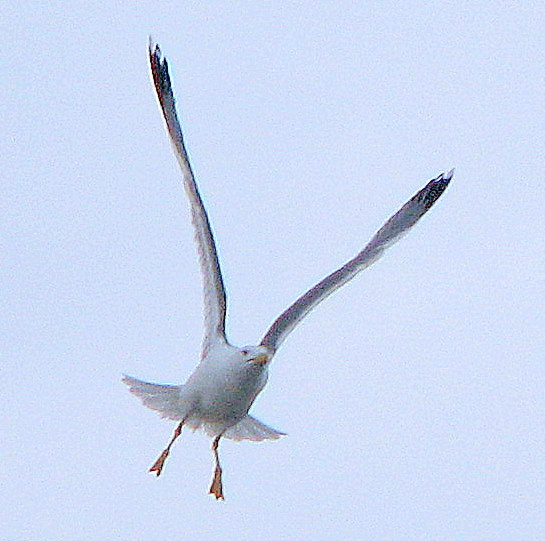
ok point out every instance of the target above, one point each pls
(216, 488)
(157, 467)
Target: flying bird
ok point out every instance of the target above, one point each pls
(219, 393)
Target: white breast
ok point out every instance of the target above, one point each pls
(224, 386)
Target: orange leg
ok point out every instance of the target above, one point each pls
(158, 465)
(216, 487)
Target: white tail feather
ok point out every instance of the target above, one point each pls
(162, 398)
(251, 429)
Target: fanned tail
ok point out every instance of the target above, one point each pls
(251, 429)
(167, 400)
(162, 398)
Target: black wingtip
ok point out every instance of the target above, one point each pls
(159, 67)
(154, 51)
(435, 188)
(445, 178)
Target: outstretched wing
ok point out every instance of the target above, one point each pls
(398, 225)
(214, 291)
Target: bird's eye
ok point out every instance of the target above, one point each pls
(245, 352)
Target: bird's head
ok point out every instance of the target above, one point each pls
(257, 355)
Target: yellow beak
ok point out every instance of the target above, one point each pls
(261, 360)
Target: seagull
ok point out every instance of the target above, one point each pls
(218, 394)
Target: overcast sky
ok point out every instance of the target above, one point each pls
(413, 398)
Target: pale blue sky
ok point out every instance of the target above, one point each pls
(413, 398)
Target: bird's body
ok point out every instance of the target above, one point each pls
(224, 386)
(219, 393)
